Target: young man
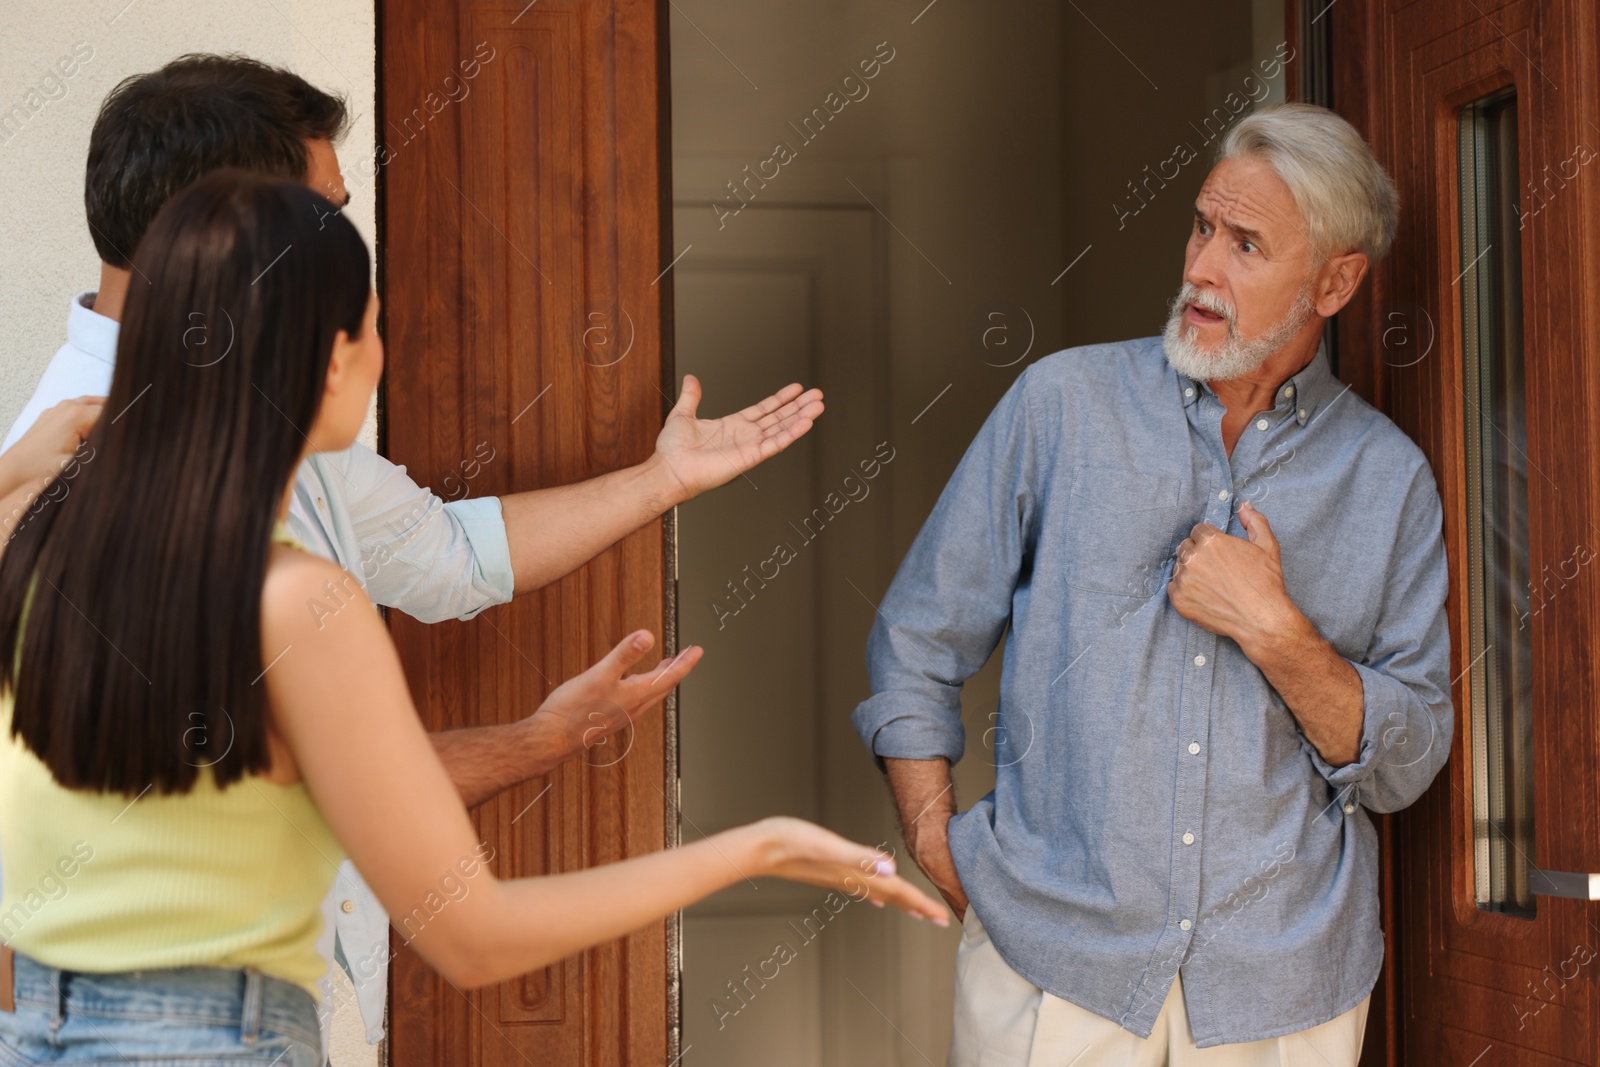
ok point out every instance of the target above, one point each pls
(1198, 709)
(157, 133)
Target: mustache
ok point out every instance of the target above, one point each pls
(1204, 298)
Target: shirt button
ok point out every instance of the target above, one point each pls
(348, 906)
(1288, 390)
(1199, 661)
(1262, 424)
(1349, 808)
(1194, 748)
(1188, 838)
(1189, 391)
(1302, 413)
(1184, 924)
(1223, 495)
(320, 504)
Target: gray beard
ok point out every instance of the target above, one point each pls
(1236, 356)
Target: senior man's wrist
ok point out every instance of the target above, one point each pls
(1279, 638)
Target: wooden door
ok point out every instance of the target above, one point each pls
(524, 244)
(1477, 337)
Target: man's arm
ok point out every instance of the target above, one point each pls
(1235, 588)
(1381, 724)
(939, 623)
(578, 715)
(438, 559)
(1320, 687)
(925, 799)
(552, 532)
(484, 761)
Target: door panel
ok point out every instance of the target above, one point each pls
(522, 232)
(1478, 985)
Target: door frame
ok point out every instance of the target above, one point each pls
(1402, 72)
(549, 180)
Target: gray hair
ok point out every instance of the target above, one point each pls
(1347, 199)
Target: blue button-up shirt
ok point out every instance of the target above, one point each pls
(1157, 808)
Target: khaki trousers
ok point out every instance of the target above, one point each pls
(1003, 1020)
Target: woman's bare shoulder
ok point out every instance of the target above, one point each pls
(303, 591)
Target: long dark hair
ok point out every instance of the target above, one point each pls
(139, 661)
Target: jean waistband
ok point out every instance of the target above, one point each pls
(245, 998)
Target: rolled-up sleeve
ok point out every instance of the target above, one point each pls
(951, 598)
(1407, 715)
(431, 559)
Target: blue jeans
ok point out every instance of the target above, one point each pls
(188, 1016)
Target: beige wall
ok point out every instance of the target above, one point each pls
(1125, 111)
(45, 249)
(950, 157)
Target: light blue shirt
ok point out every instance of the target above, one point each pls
(409, 549)
(1157, 808)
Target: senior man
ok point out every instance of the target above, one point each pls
(1198, 708)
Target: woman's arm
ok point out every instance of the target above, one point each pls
(48, 447)
(341, 704)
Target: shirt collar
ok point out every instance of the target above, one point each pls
(91, 332)
(1300, 395)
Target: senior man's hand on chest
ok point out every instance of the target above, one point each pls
(1230, 585)
(1233, 586)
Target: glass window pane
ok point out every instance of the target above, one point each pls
(1502, 604)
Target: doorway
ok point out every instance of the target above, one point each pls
(905, 205)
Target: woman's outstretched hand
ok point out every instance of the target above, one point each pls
(805, 852)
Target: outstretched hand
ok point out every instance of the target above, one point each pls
(805, 852)
(697, 454)
(590, 709)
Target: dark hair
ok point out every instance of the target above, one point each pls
(159, 132)
(141, 580)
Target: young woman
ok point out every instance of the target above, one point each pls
(178, 778)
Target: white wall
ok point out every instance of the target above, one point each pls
(45, 252)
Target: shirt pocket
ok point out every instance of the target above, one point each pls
(1124, 527)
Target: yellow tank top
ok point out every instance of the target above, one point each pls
(100, 882)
